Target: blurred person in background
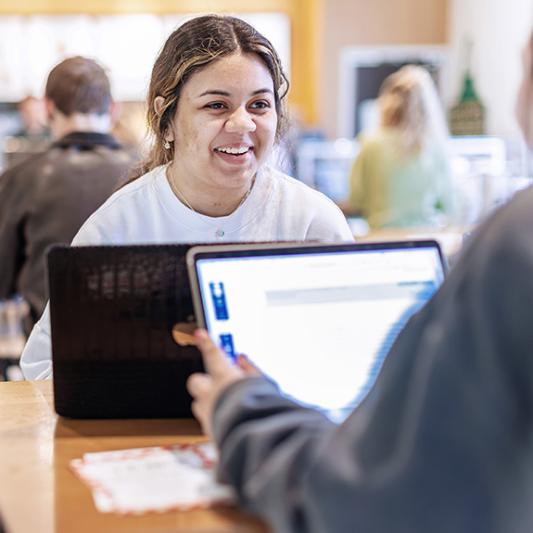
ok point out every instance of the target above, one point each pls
(46, 198)
(443, 443)
(32, 113)
(401, 176)
(215, 110)
(32, 135)
(129, 126)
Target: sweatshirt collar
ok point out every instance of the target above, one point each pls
(87, 139)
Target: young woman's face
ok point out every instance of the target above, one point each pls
(524, 101)
(225, 123)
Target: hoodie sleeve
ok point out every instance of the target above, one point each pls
(439, 444)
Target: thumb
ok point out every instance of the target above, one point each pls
(215, 362)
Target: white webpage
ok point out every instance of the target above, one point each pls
(319, 324)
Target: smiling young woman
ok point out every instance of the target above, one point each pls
(215, 111)
(221, 133)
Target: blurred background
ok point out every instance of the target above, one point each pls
(336, 53)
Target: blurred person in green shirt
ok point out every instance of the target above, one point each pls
(401, 177)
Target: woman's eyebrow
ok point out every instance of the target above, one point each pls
(218, 92)
(214, 92)
(260, 91)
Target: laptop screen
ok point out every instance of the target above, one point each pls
(318, 320)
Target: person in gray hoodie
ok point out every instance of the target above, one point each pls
(444, 441)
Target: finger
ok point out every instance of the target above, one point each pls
(214, 360)
(197, 411)
(247, 366)
(200, 413)
(182, 338)
(199, 385)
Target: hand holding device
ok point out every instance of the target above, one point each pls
(206, 388)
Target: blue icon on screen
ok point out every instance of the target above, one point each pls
(226, 343)
(218, 296)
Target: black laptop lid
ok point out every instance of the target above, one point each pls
(112, 312)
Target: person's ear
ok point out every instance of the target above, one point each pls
(115, 110)
(158, 105)
(524, 97)
(159, 101)
(50, 109)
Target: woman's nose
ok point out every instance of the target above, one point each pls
(240, 121)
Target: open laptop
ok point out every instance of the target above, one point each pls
(113, 309)
(317, 319)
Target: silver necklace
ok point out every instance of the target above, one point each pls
(219, 232)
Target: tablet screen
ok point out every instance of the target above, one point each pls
(318, 323)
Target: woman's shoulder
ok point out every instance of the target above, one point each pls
(290, 186)
(136, 187)
(135, 193)
(321, 216)
(378, 138)
(130, 201)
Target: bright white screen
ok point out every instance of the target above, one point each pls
(319, 324)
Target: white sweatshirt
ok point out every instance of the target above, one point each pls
(146, 211)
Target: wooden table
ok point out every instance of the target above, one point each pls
(38, 492)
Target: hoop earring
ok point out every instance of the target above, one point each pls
(166, 145)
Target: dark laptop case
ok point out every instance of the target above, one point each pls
(112, 311)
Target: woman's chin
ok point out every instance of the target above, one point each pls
(235, 179)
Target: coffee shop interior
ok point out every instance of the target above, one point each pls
(336, 54)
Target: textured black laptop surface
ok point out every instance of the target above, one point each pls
(112, 312)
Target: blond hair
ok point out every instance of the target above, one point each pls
(190, 48)
(408, 102)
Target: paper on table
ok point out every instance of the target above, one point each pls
(153, 479)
